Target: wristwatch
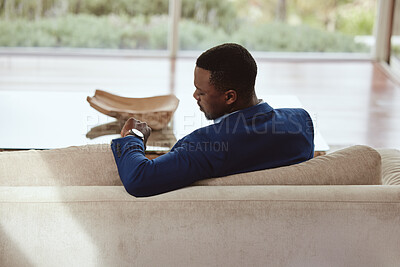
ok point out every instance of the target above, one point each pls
(137, 133)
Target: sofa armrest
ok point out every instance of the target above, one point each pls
(390, 166)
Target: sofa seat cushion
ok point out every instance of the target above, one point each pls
(356, 165)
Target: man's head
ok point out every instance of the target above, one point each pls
(224, 78)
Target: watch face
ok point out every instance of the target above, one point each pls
(137, 133)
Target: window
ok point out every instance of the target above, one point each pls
(117, 24)
(279, 25)
(260, 25)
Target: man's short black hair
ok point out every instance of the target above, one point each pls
(232, 68)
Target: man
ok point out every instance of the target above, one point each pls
(247, 133)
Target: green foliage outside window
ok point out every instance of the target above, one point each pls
(143, 24)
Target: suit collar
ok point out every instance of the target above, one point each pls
(262, 107)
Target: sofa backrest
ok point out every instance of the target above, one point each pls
(94, 165)
(74, 166)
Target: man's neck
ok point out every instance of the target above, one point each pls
(254, 101)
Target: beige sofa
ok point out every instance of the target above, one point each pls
(66, 207)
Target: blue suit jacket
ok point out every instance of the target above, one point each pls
(255, 138)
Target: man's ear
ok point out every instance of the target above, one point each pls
(230, 97)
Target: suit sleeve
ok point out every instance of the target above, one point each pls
(188, 162)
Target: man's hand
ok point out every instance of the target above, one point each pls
(133, 123)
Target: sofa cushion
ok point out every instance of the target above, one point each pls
(390, 166)
(356, 165)
(78, 165)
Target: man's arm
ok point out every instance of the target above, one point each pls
(176, 169)
(191, 161)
